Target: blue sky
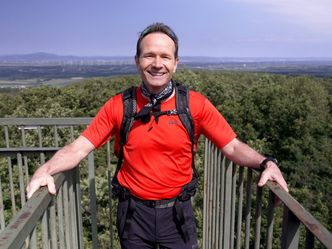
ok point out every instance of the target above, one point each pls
(221, 28)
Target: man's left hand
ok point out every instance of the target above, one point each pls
(272, 173)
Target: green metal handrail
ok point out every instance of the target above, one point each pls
(22, 225)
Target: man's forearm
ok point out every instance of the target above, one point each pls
(242, 154)
(65, 159)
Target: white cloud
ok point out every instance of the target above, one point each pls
(313, 14)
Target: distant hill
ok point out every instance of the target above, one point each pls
(47, 58)
(46, 65)
(43, 57)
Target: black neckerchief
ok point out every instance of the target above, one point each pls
(154, 104)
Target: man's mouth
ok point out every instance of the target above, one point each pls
(156, 74)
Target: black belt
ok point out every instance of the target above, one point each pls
(165, 203)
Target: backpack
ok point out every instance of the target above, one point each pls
(129, 113)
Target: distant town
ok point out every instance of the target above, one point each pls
(18, 71)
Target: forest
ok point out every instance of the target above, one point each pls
(285, 116)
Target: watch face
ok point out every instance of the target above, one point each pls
(266, 160)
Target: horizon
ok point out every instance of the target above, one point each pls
(182, 56)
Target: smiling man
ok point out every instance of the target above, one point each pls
(156, 128)
(156, 60)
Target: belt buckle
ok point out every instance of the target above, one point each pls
(153, 203)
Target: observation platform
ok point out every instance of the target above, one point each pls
(233, 211)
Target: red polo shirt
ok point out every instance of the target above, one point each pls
(157, 156)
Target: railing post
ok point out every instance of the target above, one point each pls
(227, 203)
(206, 193)
(240, 207)
(309, 240)
(248, 208)
(93, 200)
(290, 230)
(2, 210)
(270, 220)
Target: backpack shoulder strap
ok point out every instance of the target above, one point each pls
(129, 111)
(182, 106)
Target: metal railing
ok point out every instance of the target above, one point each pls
(26, 144)
(229, 201)
(48, 222)
(55, 220)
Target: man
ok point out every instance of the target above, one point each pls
(158, 153)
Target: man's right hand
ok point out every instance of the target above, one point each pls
(38, 180)
(65, 159)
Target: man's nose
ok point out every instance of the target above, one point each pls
(157, 62)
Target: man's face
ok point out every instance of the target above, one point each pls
(156, 63)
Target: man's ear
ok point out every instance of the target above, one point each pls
(136, 61)
(176, 64)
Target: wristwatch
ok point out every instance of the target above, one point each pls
(263, 164)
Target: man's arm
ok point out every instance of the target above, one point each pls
(65, 159)
(241, 154)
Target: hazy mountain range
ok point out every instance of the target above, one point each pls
(42, 57)
(51, 66)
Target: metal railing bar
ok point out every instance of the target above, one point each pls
(205, 187)
(258, 217)
(227, 202)
(210, 196)
(11, 186)
(52, 227)
(40, 137)
(214, 195)
(72, 210)
(270, 220)
(78, 196)
(240, 207)
(23, 223)
(208, 202)
(44, 121)
(2, 209)
(44, 229)
(71, 133)
(33, 238)
(66, 214)
(56, 136)
(27, 151)
(6, 136)
(218, 201)
(10, 174)
(61, 228)
(309, 239)
(110, 197)
(25, 158)
(320, 232)
(21, 178)
(248, 208)
(222, 173)
(233, 210)
(42, 154)
(93, 200)
(290, 230)
(26, 169)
